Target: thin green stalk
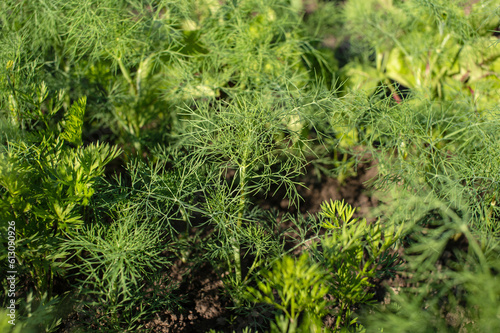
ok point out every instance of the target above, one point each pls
(239, 222)
(185, 219)
(126, 74)
(186, 253)
(256, 263)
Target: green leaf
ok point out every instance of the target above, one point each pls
(74, 122)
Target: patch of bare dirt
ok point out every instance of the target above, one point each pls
(354, 190)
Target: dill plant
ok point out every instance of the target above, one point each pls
(137, 62)
(452, 271)
(419, 50)
(425, 110)
(160, 190)
(225, 91)
(250, 136)
(109, 51)
(436, 149)
(114, 262)
(248, 125)
(434, 146)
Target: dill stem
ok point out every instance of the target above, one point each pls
(126, 75)
(236, 245)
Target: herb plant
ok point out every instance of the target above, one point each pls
(452, 273)
(114, 260)
(251, 137)
(355, 252)
(300, 287)
(46, 186)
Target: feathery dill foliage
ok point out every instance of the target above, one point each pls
(429, 116)
(252, 134)
(439, 147)
(113, 52)
(442, 60)
(439, 162)
(257, 136)
(116, 260)
(160, 191)
(451, 269)
(138, 61)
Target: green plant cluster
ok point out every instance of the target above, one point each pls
(138, 135)
(301, 289)
(345, 261)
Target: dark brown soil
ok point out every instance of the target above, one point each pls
(205, 305)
